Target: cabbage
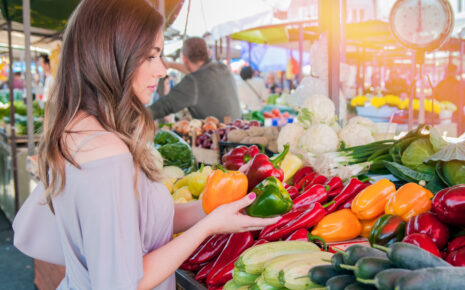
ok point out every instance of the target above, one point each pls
(418, 151)
(453, 172)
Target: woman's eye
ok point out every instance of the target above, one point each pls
(150, 58)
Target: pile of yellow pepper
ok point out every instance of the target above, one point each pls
(403, 104)
(369, 205)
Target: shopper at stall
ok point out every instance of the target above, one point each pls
(208, 89)
(48, 82)
(396, 84)
(112, 220)
(271, 84)
(251, 90)
(449, 88)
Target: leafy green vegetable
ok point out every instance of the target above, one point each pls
(436, 140)
(175, 151)
(454, 151)
(454, 172)
(406, 173)
(416, 152)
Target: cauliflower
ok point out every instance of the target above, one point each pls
(291, 134)
(321, 108)
(319, 138)
(364, 122)
(355, 135)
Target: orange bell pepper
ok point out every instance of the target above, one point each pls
(338, 226)
(223, 187)
(367, 225)
(371, 201)
(410, 200)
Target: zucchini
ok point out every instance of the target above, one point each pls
(368, 267)
(321, 274)
(408, 256)
(230, 285)
(243, 278)
(295, 275)
(387, 279)
(340, 282)
(359, 286)
(274, 266)
(338, 259)
(356, 252)
(253, 259)
(405, 173)
(260, 284)
(439, 278)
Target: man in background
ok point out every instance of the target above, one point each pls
(208, 89)
(44, 62)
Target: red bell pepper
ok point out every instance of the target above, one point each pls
(192, 267)
(449, 205)
(285, 219)
(307, 219)
(292, 190)
(316, 193)
(457, 258)
(350, 190)
(261, 168)
(203, 273)
(234, 159)
(301, 173)
(304, 181)
(226, 273)
(424, 242)
(427, 223)
(237, 243)
(334, 184)
(456, 244)
(210, 249)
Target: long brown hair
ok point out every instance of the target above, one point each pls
(103, 44)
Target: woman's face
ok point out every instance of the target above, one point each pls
(149, 71)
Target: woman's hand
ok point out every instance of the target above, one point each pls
(228, 219)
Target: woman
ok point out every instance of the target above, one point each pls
(113, 222)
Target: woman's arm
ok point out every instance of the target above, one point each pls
(164, 261)
(186, 215)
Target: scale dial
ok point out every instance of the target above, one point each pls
(421, 24)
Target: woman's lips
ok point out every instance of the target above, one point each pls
(152, 88)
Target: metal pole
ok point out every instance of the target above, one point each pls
(27, 47)
(334, 50)
(250, 53)
(12, 120)
(412, 94)
(460, 109)
(301, 51)
(228, 51)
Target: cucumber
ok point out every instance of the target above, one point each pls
(340, 282)
(321, 274)
(359, 286)
(386, 280)
(243, 278)
(230, 285)
(368, 267)
(439, 278)
(411, 257)
(275, 265)
(253, 259)
(260, 284)
(356, 252)
(338, 259)
(294, 276)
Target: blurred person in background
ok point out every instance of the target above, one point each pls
(271, 84)
(44, 62)
(251, 89)
(18, 82)
(396, 84)
(208, 89)
(449, 88)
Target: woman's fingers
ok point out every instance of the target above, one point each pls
(243, 202)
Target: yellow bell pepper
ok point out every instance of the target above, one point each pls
(410, 200)
(182, 192)
(290, 165)
(371, 201)
(367, 225)
(195, 181)
(169, 183)
(341, 225)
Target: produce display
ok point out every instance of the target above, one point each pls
(21, 116)
(410, 226)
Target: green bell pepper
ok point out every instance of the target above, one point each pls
(175, 151)
(258, 116)
(387, 230)
(272, 199)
